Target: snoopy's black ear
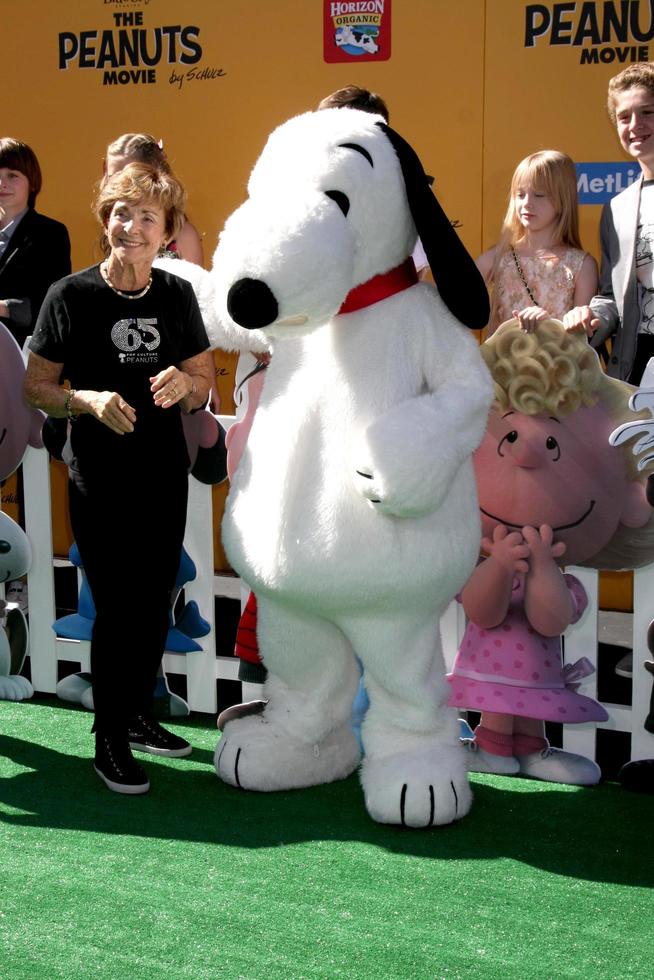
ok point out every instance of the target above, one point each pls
(459, 282)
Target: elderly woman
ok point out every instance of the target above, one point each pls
(130, 341)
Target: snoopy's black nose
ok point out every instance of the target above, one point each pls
(251, 304)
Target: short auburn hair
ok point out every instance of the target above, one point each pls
(138, 182)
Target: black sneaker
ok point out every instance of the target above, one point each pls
(117, 767)
(147, 735)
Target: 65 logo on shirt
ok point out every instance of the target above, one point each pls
(136, 338)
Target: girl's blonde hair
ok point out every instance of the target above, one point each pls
(556, 372)
(552, 173)
(139, 148)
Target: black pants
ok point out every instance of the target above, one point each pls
(644, 350)
(129, 532)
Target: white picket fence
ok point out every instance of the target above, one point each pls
(203, 669)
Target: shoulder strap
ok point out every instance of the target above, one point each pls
(522, 277)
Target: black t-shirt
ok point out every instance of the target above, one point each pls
(107, 342)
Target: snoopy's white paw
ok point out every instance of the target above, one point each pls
(15, 688)
(398, 493)
(403, 462)
(256, 754)
(367, 484)
(416, 789)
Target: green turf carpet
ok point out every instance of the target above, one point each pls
(199, 880)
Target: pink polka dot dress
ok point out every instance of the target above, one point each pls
(514, 670)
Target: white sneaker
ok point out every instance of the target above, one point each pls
(556, 766)
(481, 761)
(625, 666)
(16, 593)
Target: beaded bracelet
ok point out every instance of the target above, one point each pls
(67, 404)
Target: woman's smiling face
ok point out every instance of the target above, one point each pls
(136, 231)
(540, 469)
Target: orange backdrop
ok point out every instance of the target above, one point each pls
(474, 86)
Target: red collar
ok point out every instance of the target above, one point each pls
(380, 287)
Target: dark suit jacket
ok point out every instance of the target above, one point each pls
(37, 255)
(616, 304)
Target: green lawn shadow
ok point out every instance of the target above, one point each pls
(558, 829)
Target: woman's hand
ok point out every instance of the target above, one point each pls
(171, 386)
(507, 548)
(107, 407)
(530, 317)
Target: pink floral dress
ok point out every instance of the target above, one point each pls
(552, 281)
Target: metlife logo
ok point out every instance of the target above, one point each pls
(597, 183)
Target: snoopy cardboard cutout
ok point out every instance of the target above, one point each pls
(15, 560)
(353, 513)
(20, 427)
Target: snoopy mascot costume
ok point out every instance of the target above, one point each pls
(353, 512)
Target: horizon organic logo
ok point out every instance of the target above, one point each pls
(356, 30)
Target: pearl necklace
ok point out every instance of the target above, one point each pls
(104, 272)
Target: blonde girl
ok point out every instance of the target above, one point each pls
(143, 148)
(538, 268)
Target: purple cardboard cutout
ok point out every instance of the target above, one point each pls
(20, 426)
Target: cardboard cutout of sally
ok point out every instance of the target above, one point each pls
(552, 492)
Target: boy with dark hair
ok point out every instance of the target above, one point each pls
(353, 97)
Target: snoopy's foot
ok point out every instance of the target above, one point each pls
(73, 687)
(421, 786)
(256, 754)
(169, 705)
(15, 688)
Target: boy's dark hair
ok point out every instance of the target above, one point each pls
(16, 155)
(354, 97)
